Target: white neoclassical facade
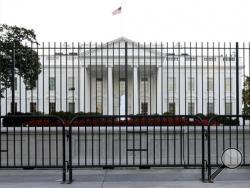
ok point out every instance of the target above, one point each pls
(155, 79)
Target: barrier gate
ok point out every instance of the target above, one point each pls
(136, 141)
(28, 142)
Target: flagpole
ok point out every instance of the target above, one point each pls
(121, 29)
(116, 12)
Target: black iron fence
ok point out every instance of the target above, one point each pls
(142, 141)
(123, 104)
(123, 77)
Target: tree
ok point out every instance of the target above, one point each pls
(246, 95)
(13, 46)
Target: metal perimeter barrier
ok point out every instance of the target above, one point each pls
(29, 142)
(227, 133)
(136, 141)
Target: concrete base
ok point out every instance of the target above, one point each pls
(125, 178)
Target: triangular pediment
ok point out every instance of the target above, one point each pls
(122, 40)
(112, 48)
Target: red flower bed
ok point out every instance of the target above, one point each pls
(42, 122)
(109, 121)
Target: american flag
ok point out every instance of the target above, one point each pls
(117, 11)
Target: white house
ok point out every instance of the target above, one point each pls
(92, 78)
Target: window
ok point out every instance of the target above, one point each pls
(15, 83)
(171, 84)
(171, 107)
(190, 108)
(209, 58)
(15, 107)
(29, 88)
(72, 107)
(122, 87)
(71, 83)
(228, 108)
(52, 82)
(144, 86)
(32, 107)
(35, 85)
(122, 98)
(210, 84)
(191, 84)
(228, 84)
(144, 107)
(210, 108)
(99, 96)
(52, 107)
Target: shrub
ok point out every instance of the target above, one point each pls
(168, 113)
(200, 115)
(12, 122)
(210, 115)
(70, 115)
(229, 121)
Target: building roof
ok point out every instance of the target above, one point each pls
(120, 43)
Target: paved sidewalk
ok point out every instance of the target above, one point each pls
(123, 178)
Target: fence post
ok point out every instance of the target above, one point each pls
(126, 78)
(70, 152)
(64, 154)
(237, 79)
(203, 152)
(209, 151)
(13, 80)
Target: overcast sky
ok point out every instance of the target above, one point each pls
(141, 20)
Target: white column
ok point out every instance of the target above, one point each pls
(82, 88)
(136, 88)
(110, 90)
(159, 90)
